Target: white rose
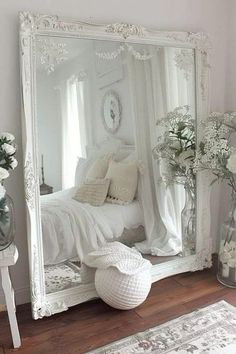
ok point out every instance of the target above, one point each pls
(14, 163)
(8, 148)
(2, 191)
(3, 173)
(231, 163)
(7, 136)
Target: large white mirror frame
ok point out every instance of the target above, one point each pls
(34, 24)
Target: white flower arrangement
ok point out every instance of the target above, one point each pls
(7, 162)
(7, 155)
(176, 147)
(216, 152)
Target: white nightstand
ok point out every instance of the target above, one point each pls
(8, 257)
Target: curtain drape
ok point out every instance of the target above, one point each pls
(73, 131)
(163, 88)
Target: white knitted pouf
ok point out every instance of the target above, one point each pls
(122, 291)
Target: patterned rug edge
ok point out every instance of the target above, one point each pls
(219, 304)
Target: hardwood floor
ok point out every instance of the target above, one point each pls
(94, 324)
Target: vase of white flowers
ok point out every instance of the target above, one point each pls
(227, 249)
(7, 162)
(175, 152)
(176, 147)
(188, 221)
(217, 153)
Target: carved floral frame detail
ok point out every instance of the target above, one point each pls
(33, 25)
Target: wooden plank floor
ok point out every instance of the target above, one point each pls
(93, 324)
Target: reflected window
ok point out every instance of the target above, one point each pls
(74, 139)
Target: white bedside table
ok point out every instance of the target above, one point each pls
(8, 257)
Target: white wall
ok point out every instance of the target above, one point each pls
(210, 16)
(230, 96)
(120, 85)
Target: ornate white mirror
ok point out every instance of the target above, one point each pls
(76, 80)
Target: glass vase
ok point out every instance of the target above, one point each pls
(227, 249)
(7, 222)
(188, 220)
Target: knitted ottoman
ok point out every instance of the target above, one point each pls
(122, 277)
(124, 291)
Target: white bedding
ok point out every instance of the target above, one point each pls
(72, 229)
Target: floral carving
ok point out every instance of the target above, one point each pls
(200, 41)
(184, 60)
(51, 54)
(125, 30)
(144, 55)
(37, 22)
(30, 182)
(41, 307)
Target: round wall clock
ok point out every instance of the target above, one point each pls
(111, 111)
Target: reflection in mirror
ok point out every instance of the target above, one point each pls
(116, 141)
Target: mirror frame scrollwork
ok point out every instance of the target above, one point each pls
(33, 25)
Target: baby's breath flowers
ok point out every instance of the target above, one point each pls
(176, 146)
(216, 152)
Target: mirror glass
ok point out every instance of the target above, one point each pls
(116, 142)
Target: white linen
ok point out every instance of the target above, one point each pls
(73, 229)
(171, 200)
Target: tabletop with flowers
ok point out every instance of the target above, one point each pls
(8, 162)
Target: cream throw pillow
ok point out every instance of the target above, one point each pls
(93, 191)
(99, 167)
(124, 181)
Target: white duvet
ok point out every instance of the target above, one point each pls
(71, 229)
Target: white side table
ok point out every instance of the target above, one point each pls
(8, 257)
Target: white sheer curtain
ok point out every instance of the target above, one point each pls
(140, 72)
(178, 91)
(73, 131)
(163, 89)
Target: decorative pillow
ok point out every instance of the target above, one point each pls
(93, 191)
(124, 181)
(99, 167)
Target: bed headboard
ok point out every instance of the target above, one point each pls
(111, 144)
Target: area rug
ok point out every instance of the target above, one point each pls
(61, 276)
(211, 330)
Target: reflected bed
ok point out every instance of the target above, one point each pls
(65, 222)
